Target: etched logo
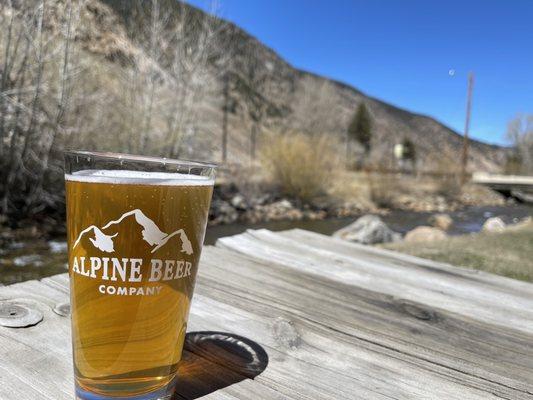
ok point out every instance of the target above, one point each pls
(140, 274)
(150, 232)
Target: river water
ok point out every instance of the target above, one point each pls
(468, 220)
(36, 259)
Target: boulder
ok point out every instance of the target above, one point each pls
(494, 224)
(16, 245)
(441, 221)
(523, 223)
(260, 199)
(285, 204)
(425, 234)
(239, 202)
(497, 224)
(280, 210)
(32, 259)
(57, 247)
(223, 212)
(369, 229)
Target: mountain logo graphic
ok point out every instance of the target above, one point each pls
(151, 234)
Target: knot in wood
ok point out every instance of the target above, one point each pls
(285, 333)
(18, 315)
(62, 309)
(417, 311)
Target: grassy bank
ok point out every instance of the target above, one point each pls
(509, 253)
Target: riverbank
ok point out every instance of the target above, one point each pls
(245, 197)
(29, 253)
(27, 249)
(348, 195)
(508, 253)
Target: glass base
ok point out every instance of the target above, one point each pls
(164, 393)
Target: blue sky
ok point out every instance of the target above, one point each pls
(402, 51)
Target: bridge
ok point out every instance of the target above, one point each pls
(519, 187)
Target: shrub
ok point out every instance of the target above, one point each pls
(449, 186)
(384, 189)
(520, 133)
(303, 166)
(448, 181)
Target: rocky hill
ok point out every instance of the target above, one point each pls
(163, 77)
(262, 92)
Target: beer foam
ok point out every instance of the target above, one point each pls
(126, 177)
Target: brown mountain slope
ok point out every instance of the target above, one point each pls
(161, 77)
(269, 94)
(169, 72)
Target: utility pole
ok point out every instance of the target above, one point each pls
(225, 119)
(467, 127)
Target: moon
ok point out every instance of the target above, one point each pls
(451, 72)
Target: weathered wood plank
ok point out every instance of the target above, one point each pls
(36, 361)
(311, 361)
(510, 286)
(471, 294)
(44, 366)
(423, 335)
(328, 334)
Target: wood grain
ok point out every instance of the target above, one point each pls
(336, 320)
(471, 293)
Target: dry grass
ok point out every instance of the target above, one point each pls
(302, 165)
(509, 253)
(384, 189)
(449, 184)
(402, 191)
(352, 187)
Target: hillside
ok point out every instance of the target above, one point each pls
(164, 78)
(269, 94)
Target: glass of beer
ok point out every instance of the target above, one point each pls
(135, 229)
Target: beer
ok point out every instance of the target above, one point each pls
(134, 244)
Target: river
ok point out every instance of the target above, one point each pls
(36, 259)
(468, 220)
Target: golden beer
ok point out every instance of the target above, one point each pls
(134, 244)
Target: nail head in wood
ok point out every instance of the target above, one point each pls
(18, 315)
(62, 309)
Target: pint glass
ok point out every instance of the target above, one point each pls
(135, 231)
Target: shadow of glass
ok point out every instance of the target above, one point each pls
(215, 360)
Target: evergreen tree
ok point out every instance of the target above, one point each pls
(360, 128)
(409, 150)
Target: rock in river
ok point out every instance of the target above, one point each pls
(441, 221)
(494, 224)
(57, 247)
(239, 202)
(369, 229)
(31, 259)
(425, 234)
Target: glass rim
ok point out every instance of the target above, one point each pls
(108, 155)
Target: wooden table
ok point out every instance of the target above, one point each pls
(304, 316)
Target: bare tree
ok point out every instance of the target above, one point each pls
(250, 81)
(520, 133)
(226, 108)
(173, 78)
(54, 93)
(316, 109)
(194, 79)
(34, 88)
